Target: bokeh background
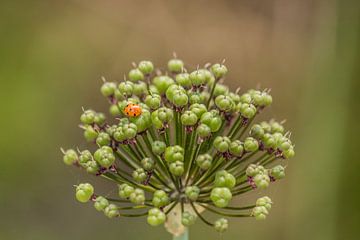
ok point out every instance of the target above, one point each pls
(52, 54)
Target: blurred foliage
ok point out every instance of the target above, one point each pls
(54, 52)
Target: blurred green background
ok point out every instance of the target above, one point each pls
(52, 54)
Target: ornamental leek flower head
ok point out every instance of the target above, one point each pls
(180, 141)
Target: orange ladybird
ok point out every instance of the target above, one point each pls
(132, 110)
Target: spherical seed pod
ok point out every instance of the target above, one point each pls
(245, 98)
(140, 89)
(139, 175)
(209, 77)
(99, 119)
(262, 180)
(174, 153)
(104, 156)
(156, 217)
(251, 144)
(221, 89)
(175, 65)
(114, 110)
(88, 116)
(160, 198)
(212, 119)
(180, 99)
(198, 109)
(108, 89)
(265, 202)
(148, 164)
(162, 83)
(289, 153)
(266, 126)
(222, 144)
(267, 99)
(253, 169)
(260, 212)
(143, 121)
(92, 167)
(119, 135)
(70, 157)
(103, 139)
(130, 130)
(135, 75)
(197, 78)
(137, 196)
(165, 114)
(224, 179)
(173, 90)
(187, 219)
(158, 147)
(177, 168)
(101, 203)
(204, 95)
(257, 131)
(183, 79)
(189, 118)
(247, 110)
(224, 103)
(153, 101)
(90, 134)
(236, 148)
(85, 156)
(221, 225)
(111, 211)
(126, 88)
(84, 192)
(235, 97)
(219, 70)
(192, 192)
(204, 161)
(125, 190)
(194, 97)
(278, 172)
(146, 67)
(220, 196)
(268, 140)
(276, 127)
(203, 131)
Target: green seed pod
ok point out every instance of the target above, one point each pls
(162, 83)
(198, 109)
(189, 118)
(126, 88)
(140, 89)
(203, 131)
(187, 219)
(183, 79)
(260, 212)
(289, 153)
(130, 130)
(175, 65)
(88, 116)
(194, 97)
(267, 100)
(158, 147)
(85, 157)
(278, 172)
(137, 196)
(268, 140)
(224, 103)
(111, 211)
(209, 78)
(247, 110)
(221, 225)
(114, 110)
(222, 144)
(251, 144)
(99, 119)
(204, 95)
(236, 148)
(84, 192)
(101, 203)
(276, 127)
(125, 190)
(285, 144)
(174, 153)
(245, 98)
(204, 161)
(139, 175)
(148, 164)
(220, 89)
(108, 89)
(262, 180)
(235, 97)
(119, 135)
(90, 134)
(219, 70)
(146, 67)
(224, 179)
(136, 75)
(192, 192)
(220, 196)
(160, 198)
(92, 167)
(180, 99)
(212, 119)
(70, 157)
(164, 114)
(156, 217)
(153, 101)
(266, 126)
(198, 78)
(176, 168)
(257, 131)
(173, 90)
(104, 156)
(253, 169)
(265, 202)
(142, 122)
(103, 139)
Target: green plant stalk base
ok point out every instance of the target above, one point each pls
(184, 236)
